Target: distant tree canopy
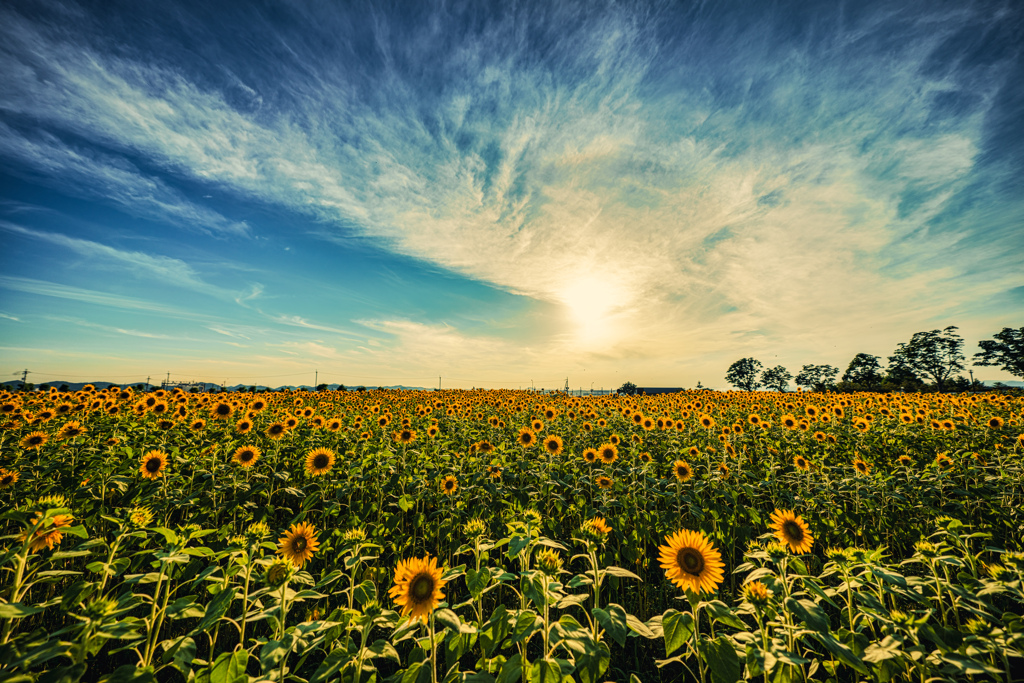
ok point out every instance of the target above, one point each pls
(743, 374)
(321, 387)
(863, 369)
(1005, 352)
(936, 355)
(817, 377)
(628, 388)
(776, 378)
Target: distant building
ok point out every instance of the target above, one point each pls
(650, 391)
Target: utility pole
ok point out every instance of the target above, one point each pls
(439, 382)
(147, 382)
(316, 379)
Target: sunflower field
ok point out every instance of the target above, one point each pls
(509, 536)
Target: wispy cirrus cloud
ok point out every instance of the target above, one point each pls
(670, 179)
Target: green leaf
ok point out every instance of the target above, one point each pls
(526, 625)
(516, 545)
(331, 665)
(217, 608)
(179, 654)
(722, 661)
(72, 673)
(613, 620)
(809, 613)
(17, 610)
(678, 628)
(841, 652)
(406, 502)
(622, 573)
(639, 627)
(592, 664)
(477, 581)
(545, 671)
(449, 619)
(494, 630)
(365, 592)
(723, 613)
(511, 671)
(228, 668)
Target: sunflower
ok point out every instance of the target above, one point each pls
(276, 430)
(7, 478)
(319, 461)
(754, 419)
(197, 425)
(417, 588)
(792, 530)
(789, 422)
(682, 470)
(723, 470)
(537, 426)
(47, 538)
(800, 462)
(333, 425)
(71, 430)
(707, 421)
(243, 426)
(153, 464)
(449, 485)
(905, 460)
(221, 411)
(608, 453)
(645, 457)
(34, 440)
(615, 439)
(861, 466)
(494, 471)
(590, 455)
(404, 436)
(691, 562)
(432, 431)
(943, 461)
(553, 444)
(995, 423)
(526, 437)
(603, 482)
(298, 544)
(693, 451)
(246, 456)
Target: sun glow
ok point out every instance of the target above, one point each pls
(593, 302)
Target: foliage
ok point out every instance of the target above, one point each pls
(936, 355)
(817, 377)
(915, 504)
(863, 369)
(743, 374)
(776, 378)
(628, 389)
(1005, 352)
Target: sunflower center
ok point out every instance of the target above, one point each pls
(421, 588)
(690, 561)
(153, 465)
(299, 544)
(246, 456)
(320, 461)
(793, 531)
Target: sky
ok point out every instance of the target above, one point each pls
(503, 194)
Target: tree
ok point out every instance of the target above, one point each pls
(321, 387)
(1007, 352)
(743, 374)
(936, 355)
(863, 369)
(341, 387)
(776, 378)
(628, 389)
(817, 377)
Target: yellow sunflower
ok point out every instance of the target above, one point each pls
(526, 437)
(792, 530)
(861, 466)
(246, 456)
(604, 482)
(153, 464)
(691, 562)
(590, 455)
(417, 588)
(553, 444)
(608, 453)
(35, 440)
(47, 538)
(449, 485)
(71, 430)
(800, 462)
(319, 461)
(404, 436)
(8, 478)
(682, 470)
(276, 430)
(298, 544)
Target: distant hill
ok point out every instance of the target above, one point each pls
(206, 386)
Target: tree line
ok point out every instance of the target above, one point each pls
(930, 360)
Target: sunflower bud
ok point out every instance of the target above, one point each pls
(756, 593)
(474, 528)
(549, 561)
(776, 552)
(100, 607)
(279, 572)
(141, 516)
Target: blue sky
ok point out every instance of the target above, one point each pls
(500, 193)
